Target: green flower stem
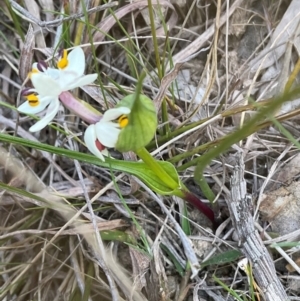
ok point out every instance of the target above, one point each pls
(159, 171)
(164, 112)
(154, 39)
(206, 190)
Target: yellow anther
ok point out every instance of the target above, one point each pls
(63, 62)
(123, 121)
(33, 100)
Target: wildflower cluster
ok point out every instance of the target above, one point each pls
(50, 83)
(128, 127)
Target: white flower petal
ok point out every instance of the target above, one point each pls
(107, 133)
(67, 80)
(90, 141)
(105, 152)
(50, 114)
(26, 108)
(76, 61)
(45, 85)
(53, 73)
(113, 114)
(82, 81)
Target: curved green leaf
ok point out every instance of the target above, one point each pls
(138, 169)
(225, 257)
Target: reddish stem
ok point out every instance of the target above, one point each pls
(207, 211)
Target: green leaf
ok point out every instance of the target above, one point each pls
(110, 235)
(146, 174)
(20, 191)
(231, 291)
(138, 169)
(185, 221)
(285, 244)
(178, 266)
(142, 123)
(228, 256)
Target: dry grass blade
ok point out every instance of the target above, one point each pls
(202, 39)
(284, 31)
(109, 22)
(31, 15)
(27, 54)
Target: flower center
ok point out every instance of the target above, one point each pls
(123, 121)
(63, 62)
(33, 100)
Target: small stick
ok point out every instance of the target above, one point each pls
(251, 244)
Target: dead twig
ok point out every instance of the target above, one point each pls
(252, 245)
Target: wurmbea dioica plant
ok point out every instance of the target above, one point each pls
(50, 83)
(130, 126)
